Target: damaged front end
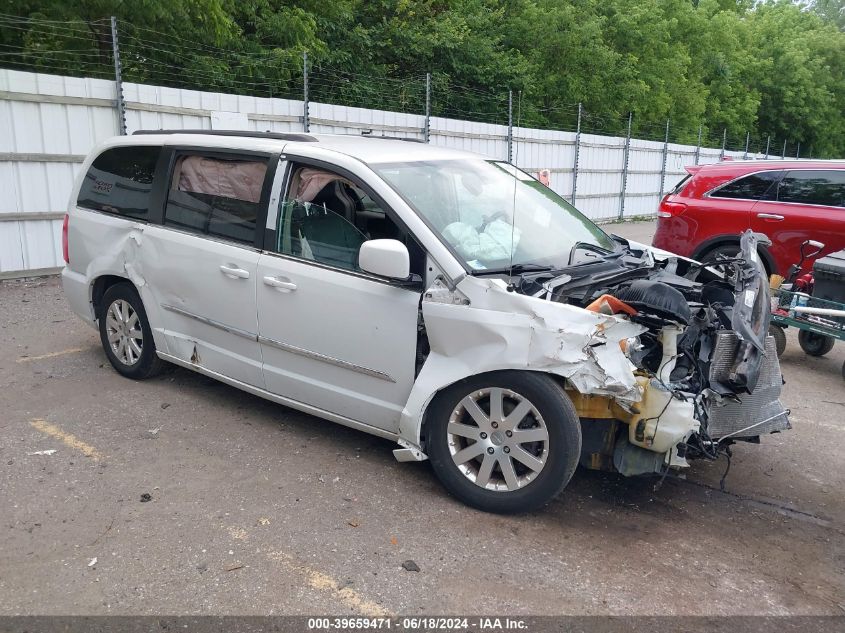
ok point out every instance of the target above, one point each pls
(665, 359)
(707, 368)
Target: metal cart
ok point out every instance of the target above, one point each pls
(820, 321)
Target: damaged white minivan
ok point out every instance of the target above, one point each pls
(443, 300)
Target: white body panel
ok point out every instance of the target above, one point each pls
(205, 292)
(340, 342)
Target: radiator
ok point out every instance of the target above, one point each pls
(758, 413)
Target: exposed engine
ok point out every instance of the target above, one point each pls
(706, 355)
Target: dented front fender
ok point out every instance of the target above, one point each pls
(480, 327)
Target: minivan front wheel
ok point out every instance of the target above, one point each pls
(504, 442)
(125, 333)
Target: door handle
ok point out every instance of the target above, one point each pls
(282, 285)
(232, 270)
(770, 216)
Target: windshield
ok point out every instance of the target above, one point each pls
(492, 214)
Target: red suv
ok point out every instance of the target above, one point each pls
(789, 201)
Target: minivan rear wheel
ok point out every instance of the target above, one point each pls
(125, 333)
(504, 442)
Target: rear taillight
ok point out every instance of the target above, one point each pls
(670, 209)
(64, 240)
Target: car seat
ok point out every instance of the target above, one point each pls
(332, 239)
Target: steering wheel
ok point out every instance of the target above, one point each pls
(488, 219)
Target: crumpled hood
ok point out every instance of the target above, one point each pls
(486, 327)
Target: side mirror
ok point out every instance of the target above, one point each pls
(385, 258)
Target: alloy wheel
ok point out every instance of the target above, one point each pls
(498, 439)
(124, 333)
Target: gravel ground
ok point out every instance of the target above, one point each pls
(257, 509)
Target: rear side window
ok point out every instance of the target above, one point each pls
(752, 187)
(825, 187)
(119, 181)
(216, 196)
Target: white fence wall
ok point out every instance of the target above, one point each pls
(48, 124)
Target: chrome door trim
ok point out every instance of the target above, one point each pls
(274, 397)
(211, 322)
(293, 349)
(797, 204)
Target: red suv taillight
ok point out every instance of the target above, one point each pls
(64, 240)
(670, 209)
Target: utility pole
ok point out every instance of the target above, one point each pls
(306, 123)
(577, 155)
(768, 141)
(783, 153)
(427, 128)
(698, 146)
(747, 139)
(665, 154)
(510, 126)
(724, 143)
(118, 79)
(798, 150)
(625, 167)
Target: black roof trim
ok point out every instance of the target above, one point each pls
(278, 136)
(409, 139)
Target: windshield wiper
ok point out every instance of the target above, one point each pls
(588, 246)
(516, 269)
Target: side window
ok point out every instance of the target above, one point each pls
(753, 187)
(325, 217)
(813, 187)
(216, 196)
(119, 181)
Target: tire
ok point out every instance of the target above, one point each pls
(730, 251)
(815, 344)
(516, 476)
(779, 335)
(725, 250)
(131, 351)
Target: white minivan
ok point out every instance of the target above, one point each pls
(438, 298)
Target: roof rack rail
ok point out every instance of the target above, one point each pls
(278, 136)
(369, 134)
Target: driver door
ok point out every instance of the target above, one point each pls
(332, 336)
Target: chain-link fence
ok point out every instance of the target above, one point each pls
(71, 85)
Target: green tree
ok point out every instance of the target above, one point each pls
(803, 88)
(774, 67)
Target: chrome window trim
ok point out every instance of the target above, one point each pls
(345, 271)
(785, 170)
(299, 351)
(127, 218)
(211, 238)
(798, 204)
(222, 326)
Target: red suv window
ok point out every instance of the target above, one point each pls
(751, 187)
(813, 187)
